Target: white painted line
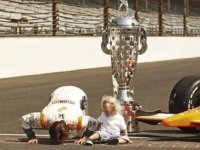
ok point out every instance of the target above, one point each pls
(130, 137)
(44, 135)
(8, 134)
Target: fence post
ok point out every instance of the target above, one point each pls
(55, 16)
(160, 17)
(135, 7)
(105, 13)
(186, 14)
(18, 29)
(146, 5)
(169, 6)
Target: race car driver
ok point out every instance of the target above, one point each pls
(64, 113)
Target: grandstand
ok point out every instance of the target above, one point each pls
(85, 17)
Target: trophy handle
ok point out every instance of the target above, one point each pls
(104, 42)
(143, 42)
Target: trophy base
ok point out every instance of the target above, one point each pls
(124, 94)
(129, 116)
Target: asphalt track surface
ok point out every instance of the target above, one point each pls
(153, 84)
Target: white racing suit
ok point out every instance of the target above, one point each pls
(70, 95)
(64, 105)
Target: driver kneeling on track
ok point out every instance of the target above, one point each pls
(64, 116)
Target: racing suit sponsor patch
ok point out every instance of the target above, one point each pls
(63, 101)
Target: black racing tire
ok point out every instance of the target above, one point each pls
(184, 96)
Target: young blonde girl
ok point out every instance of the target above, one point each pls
(111, 125)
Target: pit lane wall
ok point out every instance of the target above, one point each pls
(29, 56)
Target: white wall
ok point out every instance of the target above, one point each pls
(27, 56)
(168, 48)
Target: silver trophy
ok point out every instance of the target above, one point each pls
(123, 40)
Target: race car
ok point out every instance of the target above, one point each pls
(184, 107)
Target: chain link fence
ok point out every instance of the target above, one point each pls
(89, 17)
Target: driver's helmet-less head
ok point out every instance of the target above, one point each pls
(58, 131)
(69, 95)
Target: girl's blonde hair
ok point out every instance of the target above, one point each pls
(113, 101)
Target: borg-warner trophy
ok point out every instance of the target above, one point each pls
(124, 39)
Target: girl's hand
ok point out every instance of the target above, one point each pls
(124, 132)
(80, 141)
